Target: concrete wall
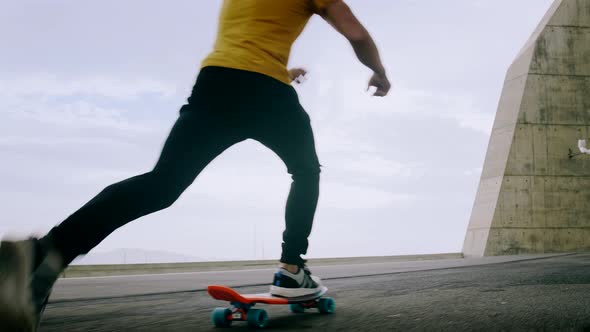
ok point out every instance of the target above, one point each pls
(532, 197)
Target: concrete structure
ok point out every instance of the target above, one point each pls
(532, 197)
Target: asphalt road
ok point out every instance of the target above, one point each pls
(526, 293)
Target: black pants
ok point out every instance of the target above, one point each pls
(226, 106)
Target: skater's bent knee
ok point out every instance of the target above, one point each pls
(311, 174)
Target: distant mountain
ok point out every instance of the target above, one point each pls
(134, 256)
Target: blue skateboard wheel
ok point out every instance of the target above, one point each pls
(219, 317)
(257, 318)
(326, 305)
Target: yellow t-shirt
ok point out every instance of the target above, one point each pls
(257, 35)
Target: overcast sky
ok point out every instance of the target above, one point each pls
(89, 90)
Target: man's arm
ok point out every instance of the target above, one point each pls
(339, 15)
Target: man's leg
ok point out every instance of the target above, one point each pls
(196, 139)
(287, 132)
(284, 127)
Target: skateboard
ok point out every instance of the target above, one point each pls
(242, 305)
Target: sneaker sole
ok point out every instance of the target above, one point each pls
(293, 292)
(16, 308)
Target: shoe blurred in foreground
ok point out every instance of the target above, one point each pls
(17, 311)
(24, 287)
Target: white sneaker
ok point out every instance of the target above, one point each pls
(302, 283)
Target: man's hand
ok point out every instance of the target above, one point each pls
(340, 16)
(382, 84)
(295, 74)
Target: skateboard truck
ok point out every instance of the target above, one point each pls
(223, 317)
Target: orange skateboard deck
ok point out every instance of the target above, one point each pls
(243, 303)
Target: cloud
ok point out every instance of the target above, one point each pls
(334, 139)
(263, 185)
(77, 114)
(85, 134)
(337, 195)
(462, 109)
(403, 101)
(377, 165)
(48, 141)
(43, 109)
(51, 86)
(242, 188)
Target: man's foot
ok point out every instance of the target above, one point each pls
(302, 283)
(16, 307)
